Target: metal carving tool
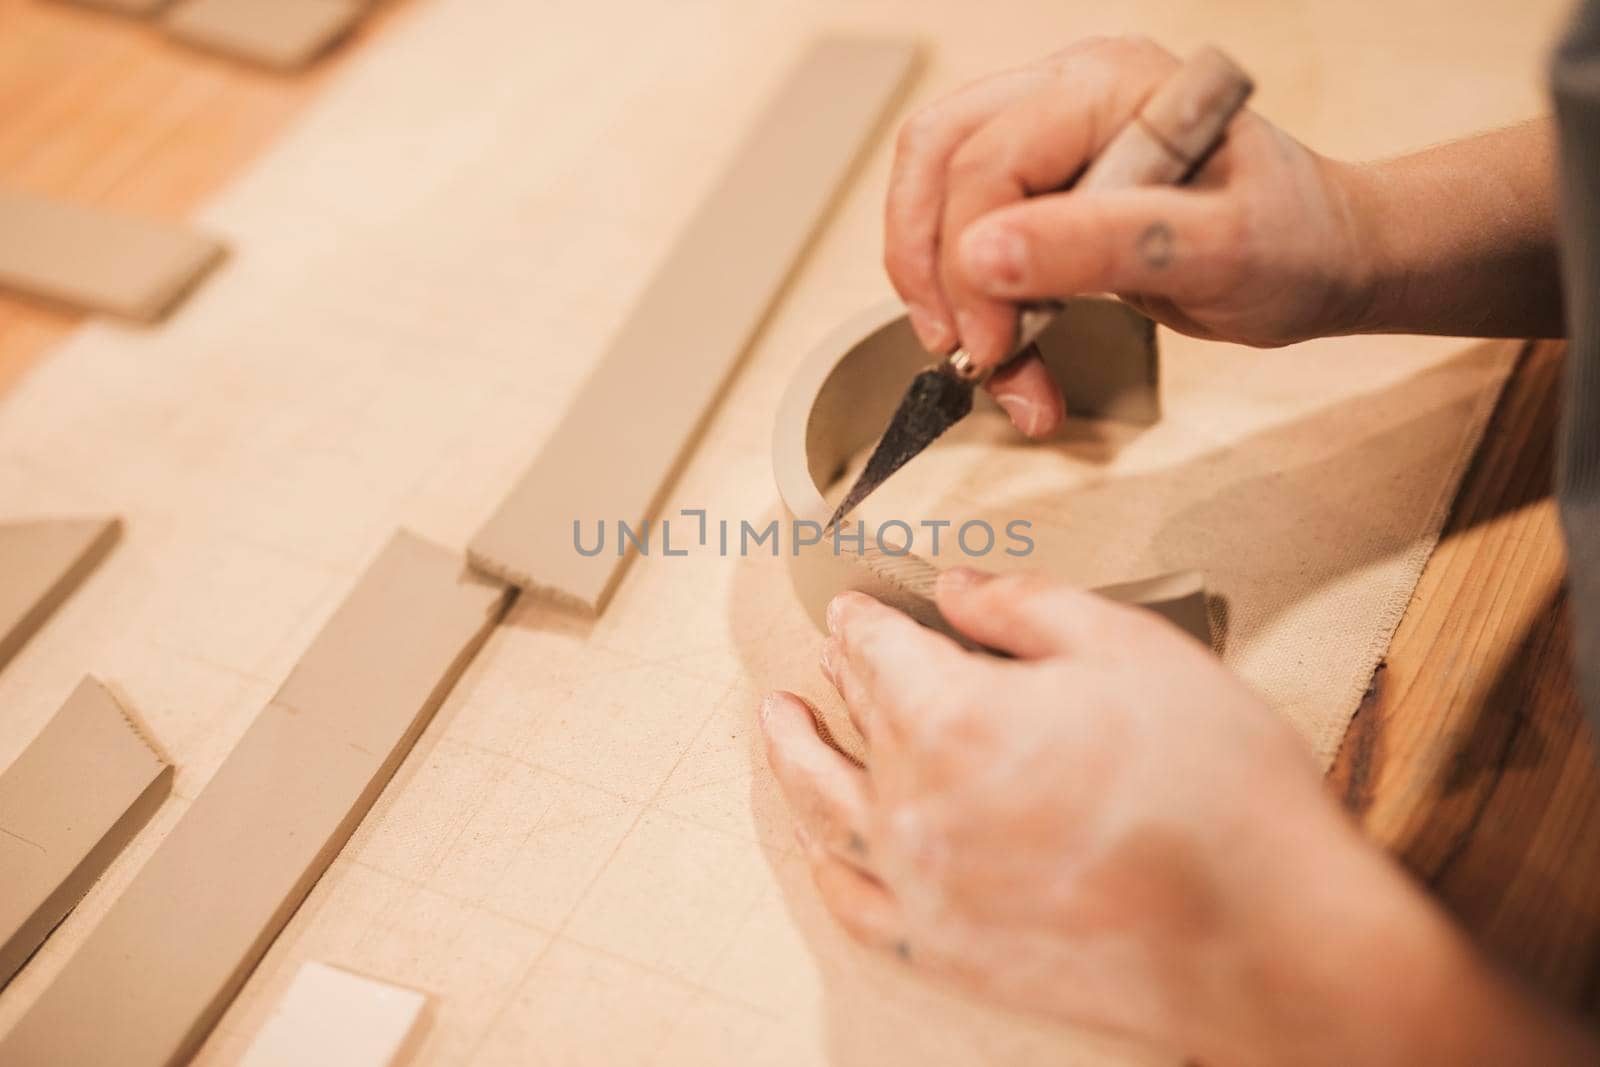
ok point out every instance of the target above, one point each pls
(1171, 136)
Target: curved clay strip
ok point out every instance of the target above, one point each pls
(840, 400)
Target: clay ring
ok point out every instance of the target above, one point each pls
(843, 395)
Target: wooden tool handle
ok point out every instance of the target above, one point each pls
(1177, 127)
(1163, 144)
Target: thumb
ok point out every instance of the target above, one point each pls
(1173, 242)
(1026, 615)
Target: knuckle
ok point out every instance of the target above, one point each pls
(1024, 587)
(1136, 44)
(854, 924)
(907, 269)
(850, 841)
(1044, 602)
(825, 813)
(920, 842)
(919, 128)
(944, 730)
(972, 161)
(1141, 50)
(851, 924)
(841, 905)
(1097, 51)
(923, 738)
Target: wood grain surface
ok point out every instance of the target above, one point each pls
(104, 109)
(1468, 760)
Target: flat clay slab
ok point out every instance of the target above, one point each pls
(331, 1017)
(41, 563)
(68, 805)
(629, 430)
(99, 261)
(152, 979)
(277, 33)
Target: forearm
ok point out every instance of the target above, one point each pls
(1419, 993)
(1459, 239)
(1357, 965)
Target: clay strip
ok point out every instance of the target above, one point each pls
(631, 427)
(841, 398)
(277, 33)
(41, 563)
(330, 1017)
(152, 979)
(91, 259)
(68, 805)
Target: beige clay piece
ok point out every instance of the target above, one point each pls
(331, 1017)
(627, 433)
(843, 394)
(69, 804)
(151, 980)
(277, 33)
(97, 260)
(41, 563)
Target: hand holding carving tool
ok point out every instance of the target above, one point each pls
(1170, 137)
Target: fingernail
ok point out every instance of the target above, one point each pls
(995, 257)
(930, 330)
(960, 579)
(827, 662)
(767, 704)
(1024, 412)
(967, 327)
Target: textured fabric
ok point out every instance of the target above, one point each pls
(1576, 82)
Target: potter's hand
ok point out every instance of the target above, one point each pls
(1258, 248)
(1112, 829)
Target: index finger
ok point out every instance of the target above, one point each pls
(1038, 144)
(916, 195)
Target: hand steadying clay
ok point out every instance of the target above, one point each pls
(1110, 828)
(1148, 851)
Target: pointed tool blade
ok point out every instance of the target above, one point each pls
(936, 401)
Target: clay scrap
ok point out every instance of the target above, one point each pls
(68, 805)
(669, 361)
(330, 1017)
(97, 260)
(41, 563)
(841, 398)
(209, 902)
(277, 33)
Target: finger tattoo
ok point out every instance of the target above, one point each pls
(1155, 245)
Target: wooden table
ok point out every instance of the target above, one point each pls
(1469, 759)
